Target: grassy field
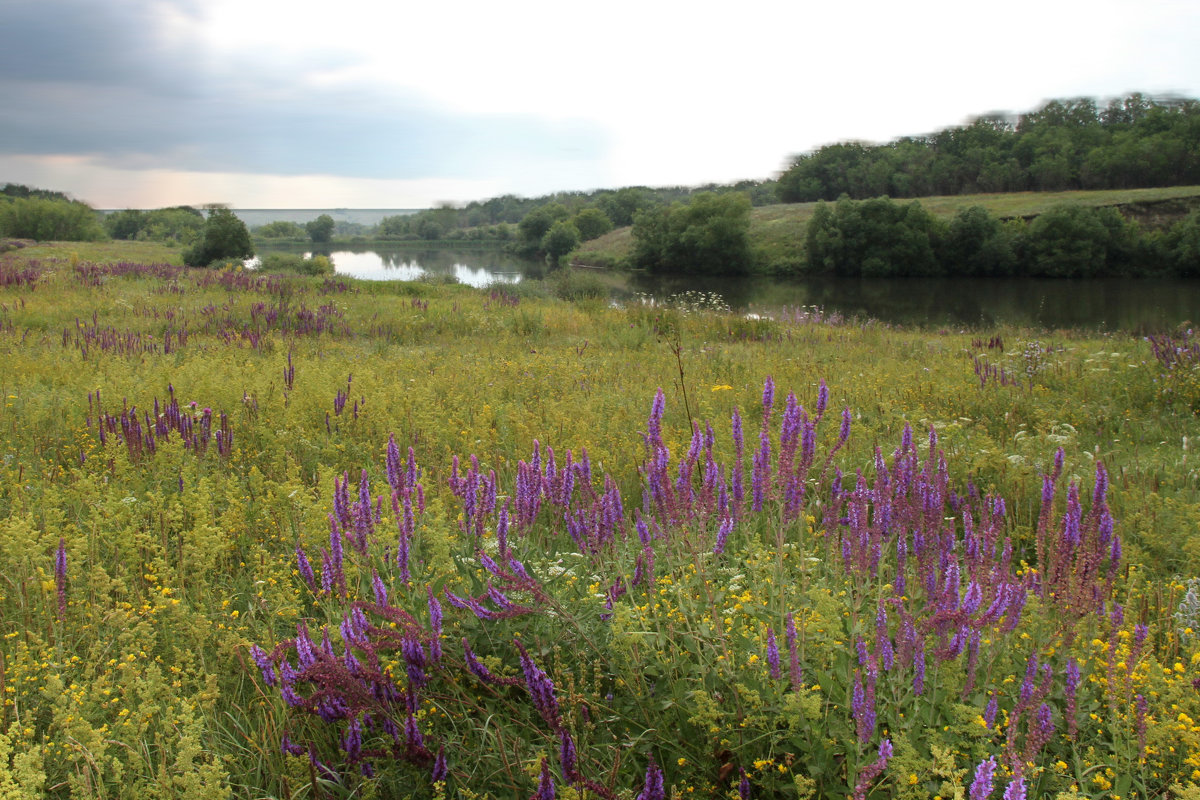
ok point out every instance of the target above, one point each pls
(777, 232)
(287, 537)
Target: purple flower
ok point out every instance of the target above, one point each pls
(723, 535)
(440, 768)
(773, 655)
(768, 397)
(989, 713)
(873, 770)
(541, 688)
(545, 790)
(477, 668)
(566, 755)
(60, 576)
(743, 785)
(377, 585)
(862, 706)
(1016, 789)
(795, 674)
(435, 624)
(652, 788)
(264, 664)
(305, 569)
(981, 787)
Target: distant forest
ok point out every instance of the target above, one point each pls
(1132, 142)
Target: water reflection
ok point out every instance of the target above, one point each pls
(1111, 304)
(473, 267)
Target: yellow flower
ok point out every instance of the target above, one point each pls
(722, 388)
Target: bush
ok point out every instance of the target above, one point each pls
(876, 237)
(50, 220)
(709, 235)
(224, 237)
(1070, 241)
(296, 264)
(575, 285)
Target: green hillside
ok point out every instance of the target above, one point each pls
(777, 231)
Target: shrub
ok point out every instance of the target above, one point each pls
(296, 263)
(224, 237)
(49, 220)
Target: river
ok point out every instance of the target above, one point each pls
(1106, 304)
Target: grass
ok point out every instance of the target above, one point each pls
(181, 550)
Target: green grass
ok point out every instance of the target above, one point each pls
(178, 561)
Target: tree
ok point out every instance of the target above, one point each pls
(1070, 241)
(875, 237)
(320, 229)
(977, 244)
(224, 237)
(125, 224)
(534, 225)
(562, 238)
(592, 223)
(49, 220)
(709, 235)
(280, 229)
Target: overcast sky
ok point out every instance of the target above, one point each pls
(367, 104)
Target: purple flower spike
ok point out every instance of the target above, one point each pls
(744, 783)
(652, 788)
(1016, 789)
(545, 790)
(440, 768)
(305, 568)
(264, 664)
(567, 756)
(435, 625)
(981, 788)
(60, 576)
(797, 677)
(773, 655)
(768, 397)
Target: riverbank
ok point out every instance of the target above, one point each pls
(777, 232)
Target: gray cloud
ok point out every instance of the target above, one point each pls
(79, 77)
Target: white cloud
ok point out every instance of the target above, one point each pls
(534, 95)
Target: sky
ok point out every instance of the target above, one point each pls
(366, 104)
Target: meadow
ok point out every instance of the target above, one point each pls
(290, 537)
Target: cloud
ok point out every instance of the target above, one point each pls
(126, 84)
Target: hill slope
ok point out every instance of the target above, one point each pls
(777, 231)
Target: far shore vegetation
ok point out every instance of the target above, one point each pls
(1076, 188)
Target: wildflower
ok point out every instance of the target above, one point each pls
(60, 576)
(1016, 789)
(743, 786)
(652, 788)
(545, 790)
(541, 688)
(773, 655)
(264, 664)
(566, 755)
(305, 568)
(435, 624)
(981, 788)
(873, 770)
(440, 768)
(796, 676)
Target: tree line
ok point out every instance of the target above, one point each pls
(1132, 142)
(882, 238)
